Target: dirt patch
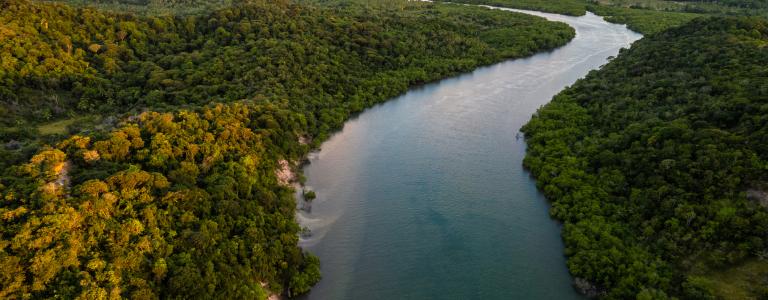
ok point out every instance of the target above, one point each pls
(285, 174)
(63, 170)
(587, 288)
(272, 296)
(758, 195)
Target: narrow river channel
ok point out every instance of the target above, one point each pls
(425, 196)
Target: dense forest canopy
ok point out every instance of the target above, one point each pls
(156, 7)
(327, 62)
(649, 162)
(168, 189)
(168, 205)
(645, 21)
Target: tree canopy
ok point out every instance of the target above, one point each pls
(649, 161)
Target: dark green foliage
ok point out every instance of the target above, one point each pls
(316, 58)
(566, 7)
(647, 161)
(645, 21)
(157, 7)
(754, 4)
(310, 195)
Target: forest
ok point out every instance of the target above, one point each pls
(656, 164)
(643, 16)
(54, 71)
(139, 150)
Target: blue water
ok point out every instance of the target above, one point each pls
(425, 197)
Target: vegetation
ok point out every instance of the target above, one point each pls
(154, 7)
(644, 16)
(753, 4)
(177, 197)
(309, 195)
(54, 70)
(566, 7)
(645, 21)
(743, 281)
(701, 7)
(167, 205)
(648, 162)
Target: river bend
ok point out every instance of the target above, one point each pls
(425, 196)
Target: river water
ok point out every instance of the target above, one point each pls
(425, 196)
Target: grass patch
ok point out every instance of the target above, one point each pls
(60, 126)
(748, 280)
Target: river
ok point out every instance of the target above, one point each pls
(425, 196)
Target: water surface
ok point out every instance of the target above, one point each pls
(425, 197)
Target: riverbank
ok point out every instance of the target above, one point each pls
(645, 20)
(631, 203)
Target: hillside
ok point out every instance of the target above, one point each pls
(139, 152)
(656, 165)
